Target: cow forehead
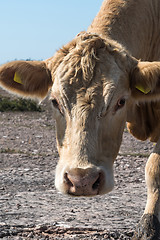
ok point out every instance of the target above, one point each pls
(88, 76)
(100, 89)
(88, 102)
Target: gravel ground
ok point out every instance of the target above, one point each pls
(31, 208)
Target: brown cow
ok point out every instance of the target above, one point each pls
(98, 84)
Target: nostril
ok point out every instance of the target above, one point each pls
(67, 180)
(97, 183)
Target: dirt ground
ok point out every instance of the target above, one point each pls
(30, 206)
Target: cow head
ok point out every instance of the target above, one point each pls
(92, 83)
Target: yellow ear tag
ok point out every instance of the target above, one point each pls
(17, 78)
(142, 89)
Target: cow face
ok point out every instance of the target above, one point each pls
(89, 97)
(93, 82)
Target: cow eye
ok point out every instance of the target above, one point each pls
(121, 102)
(55, 103)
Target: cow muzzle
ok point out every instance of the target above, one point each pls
(83, 182)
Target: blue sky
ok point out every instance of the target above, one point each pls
(37, 28)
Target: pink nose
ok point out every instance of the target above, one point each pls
(83, 182)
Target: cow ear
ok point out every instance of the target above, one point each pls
(26, 78)
(145, 81)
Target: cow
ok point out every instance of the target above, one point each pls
(104, 78)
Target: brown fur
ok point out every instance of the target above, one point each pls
(132, 23)
(83, 53)
(35, 77)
